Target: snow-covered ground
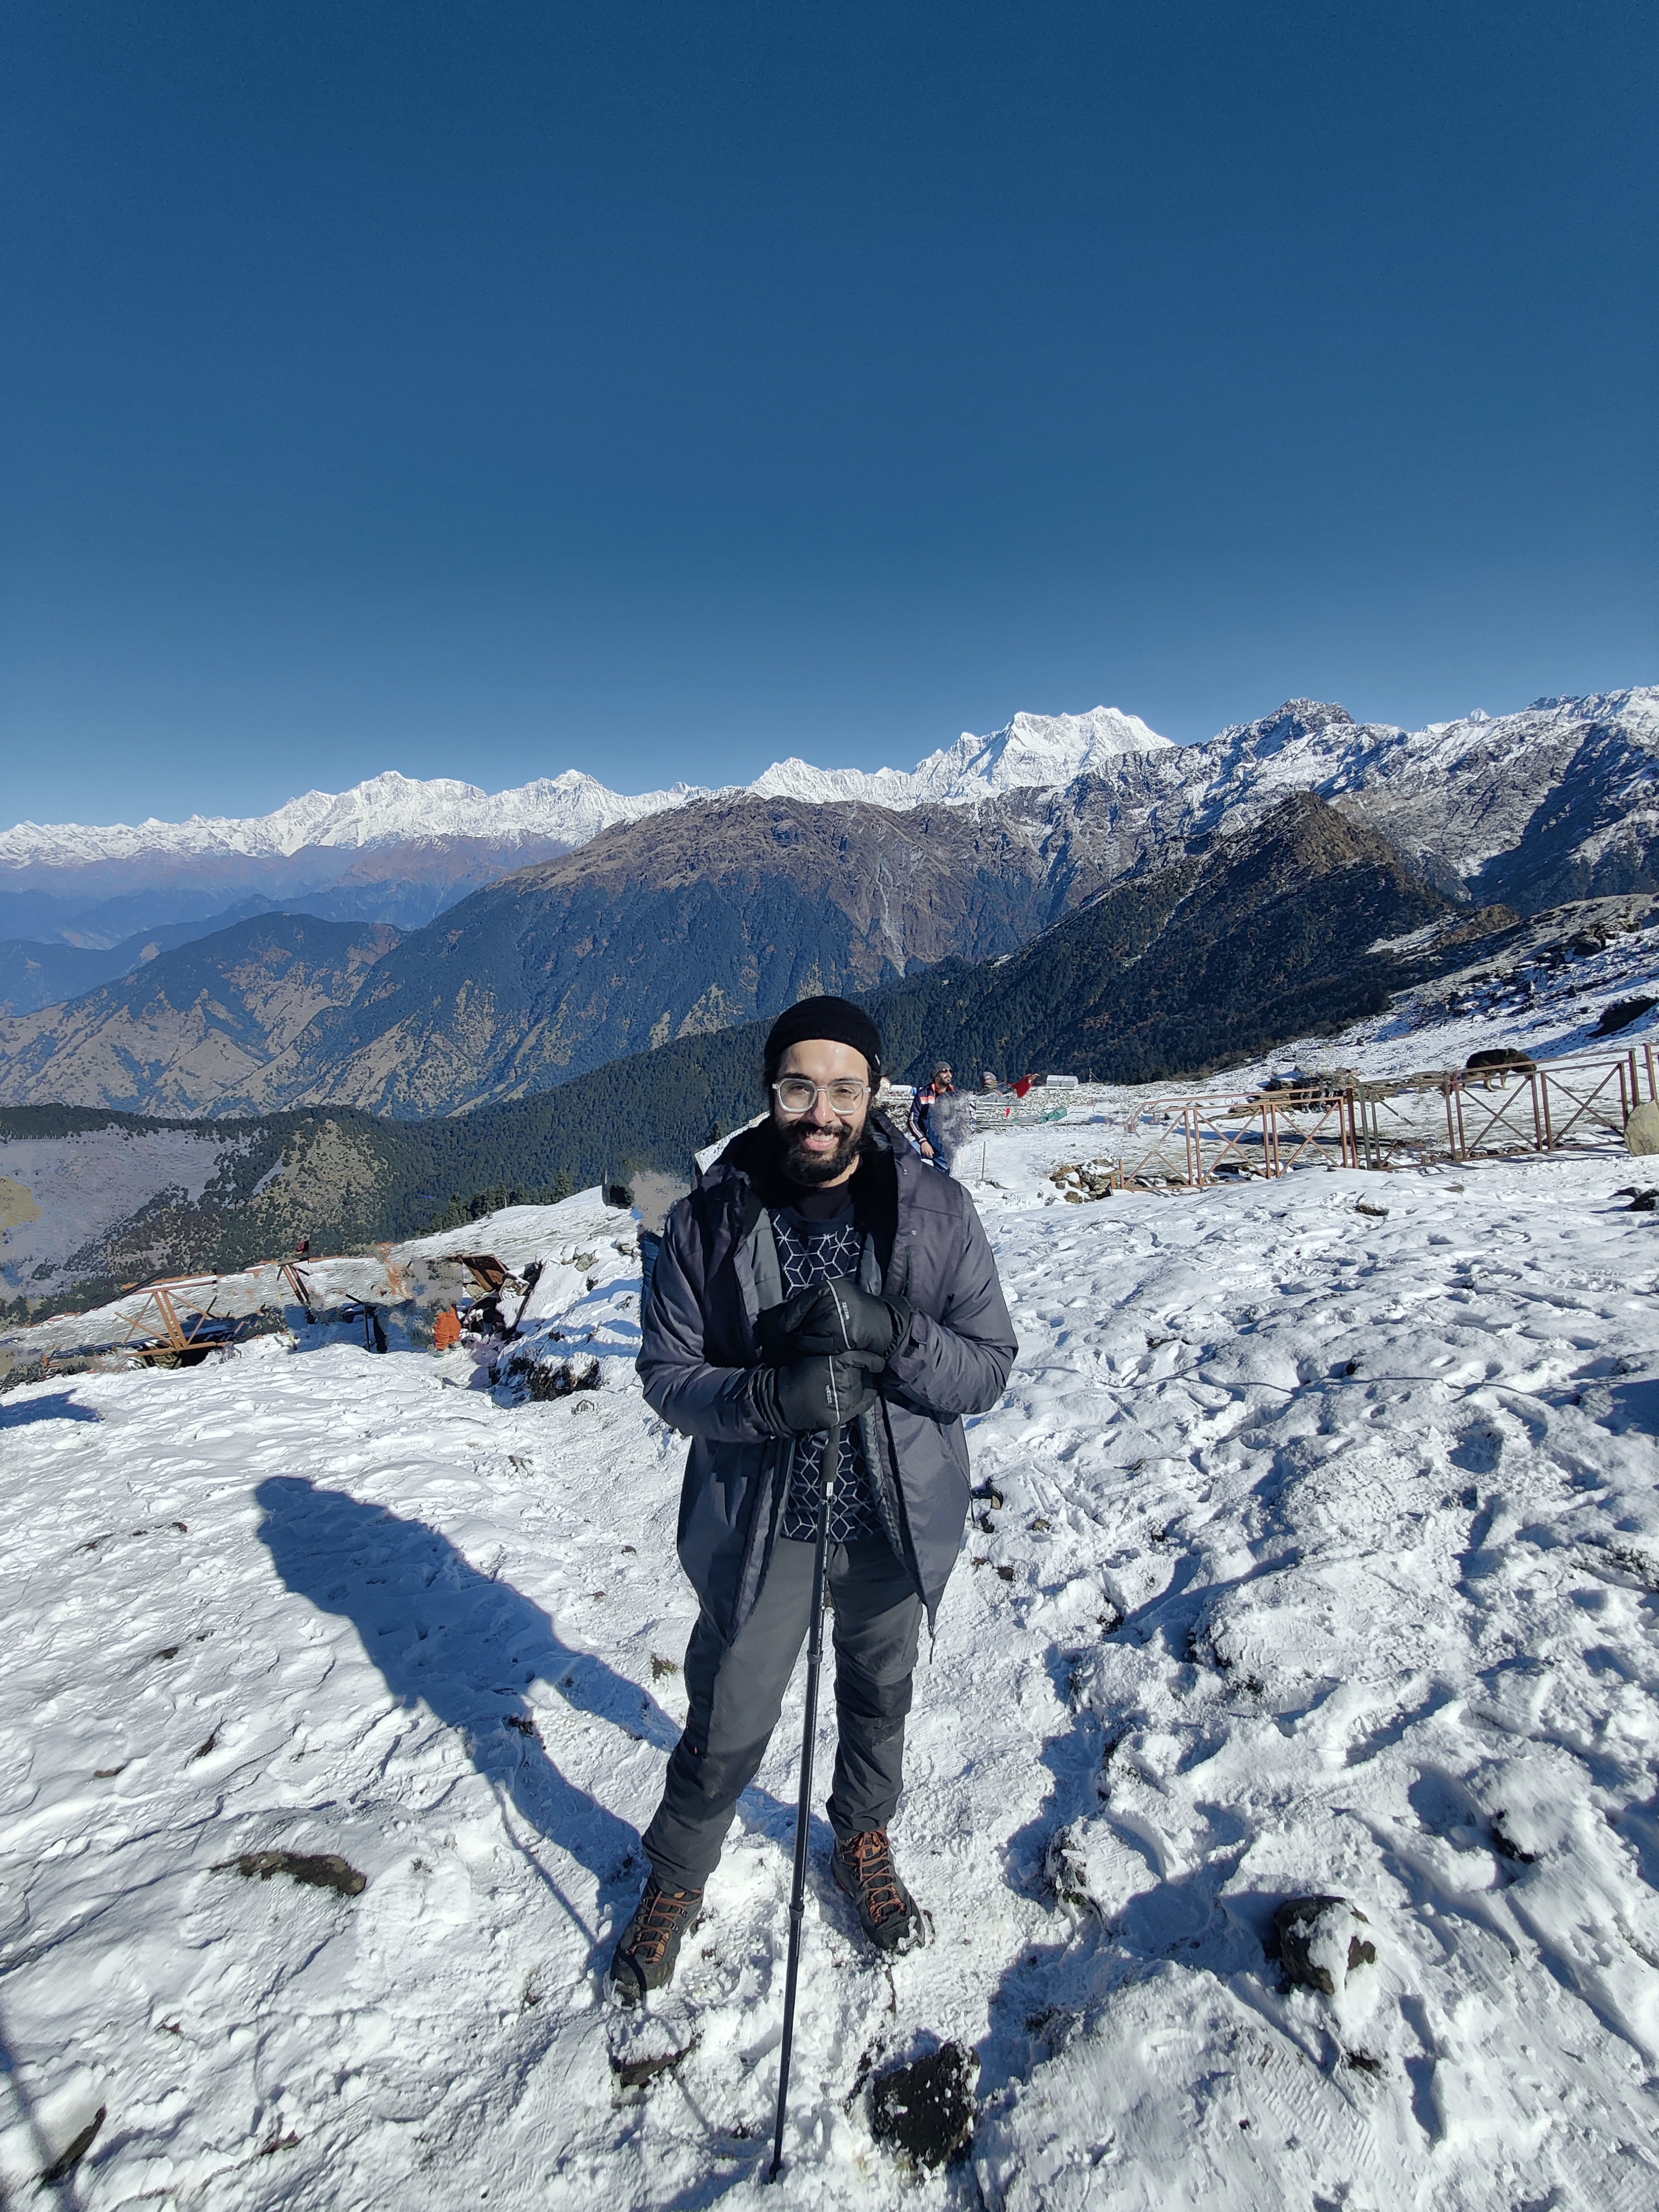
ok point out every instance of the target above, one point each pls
(1547, 1012)
(1324, 1562)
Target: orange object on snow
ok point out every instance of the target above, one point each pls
(446, 1331)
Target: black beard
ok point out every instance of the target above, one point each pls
(802, 1166)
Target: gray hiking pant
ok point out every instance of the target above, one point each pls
(736, 1695)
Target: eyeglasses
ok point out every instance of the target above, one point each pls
(798, 1094)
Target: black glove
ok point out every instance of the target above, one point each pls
(812, 1393)
(845, 1319)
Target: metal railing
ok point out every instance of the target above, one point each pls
(1188, 1143)
(1456, 1115)
(1486, 1113)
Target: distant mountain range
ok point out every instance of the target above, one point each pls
(706, 911)
(36, 972)
(691, 921)
(400, 850)
(217, 1020)
(1298, 923)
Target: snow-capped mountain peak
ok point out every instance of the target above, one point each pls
(1499, 769)
(795, 778)
(389, 809)
(567, 808)
(1035, 749)
(1042, 751)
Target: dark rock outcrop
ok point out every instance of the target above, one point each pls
(925, 2109)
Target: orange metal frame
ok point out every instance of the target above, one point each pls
(159, 1315)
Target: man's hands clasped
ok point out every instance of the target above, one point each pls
(846, 1320)
(818, 1393)
(827, 1343)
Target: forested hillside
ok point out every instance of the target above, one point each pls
(1269, 934)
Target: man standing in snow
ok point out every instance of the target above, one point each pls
(942, 1083)
(820, 1275)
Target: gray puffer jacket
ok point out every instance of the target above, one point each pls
(717, 1272)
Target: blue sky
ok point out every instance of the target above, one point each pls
(658, 389)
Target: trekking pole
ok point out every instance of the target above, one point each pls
(803, 1811)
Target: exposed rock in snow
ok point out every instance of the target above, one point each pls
(1321, 1940)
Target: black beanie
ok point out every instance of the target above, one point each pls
(838, 1021)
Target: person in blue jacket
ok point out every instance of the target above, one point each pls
(821, 1274)
(941, 1084)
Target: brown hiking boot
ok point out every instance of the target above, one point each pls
(644, 1959)
(863, 1867)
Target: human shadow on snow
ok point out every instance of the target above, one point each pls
(36, 2143)
(59, 1406)
(467, 1646)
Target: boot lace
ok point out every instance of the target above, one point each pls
(871, 1859)
(663, 1912)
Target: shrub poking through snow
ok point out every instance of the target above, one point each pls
(325, 1870)
(1320, 1942)
(1065, 1867)
(1093, 1179)
(925, 2109)
(558, 1378)
(642, 2067)
(544, 1379)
